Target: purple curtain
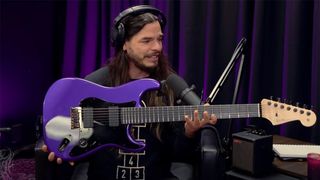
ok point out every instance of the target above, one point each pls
(44, 41)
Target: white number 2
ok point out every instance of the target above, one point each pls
(123, 174)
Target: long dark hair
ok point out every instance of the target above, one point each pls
(119, 65)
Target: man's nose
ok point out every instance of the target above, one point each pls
(157, 45)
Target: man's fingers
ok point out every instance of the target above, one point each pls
(206, 120)
(196, 121)
(59, 161)
(205, 116)
(213, 119)
(44, 148)
(196, 115)
(188, 121)
(51, 156)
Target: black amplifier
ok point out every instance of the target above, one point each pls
(252, 152)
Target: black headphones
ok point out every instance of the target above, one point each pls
(118, 30)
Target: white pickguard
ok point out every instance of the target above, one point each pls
(59, 128)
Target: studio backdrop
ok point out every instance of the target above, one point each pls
(42, 42)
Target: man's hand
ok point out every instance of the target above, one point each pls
(51, 156)
(193, 125)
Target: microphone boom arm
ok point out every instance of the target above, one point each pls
(238, 51)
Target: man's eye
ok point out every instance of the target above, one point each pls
(145, 41)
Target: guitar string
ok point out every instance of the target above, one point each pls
(134, 112)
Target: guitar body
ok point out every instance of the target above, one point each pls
(73, 141)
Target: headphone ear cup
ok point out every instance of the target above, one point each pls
(162, 24)
(117, 35)
(114, 34)
(121, 34)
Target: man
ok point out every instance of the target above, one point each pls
(137, 37)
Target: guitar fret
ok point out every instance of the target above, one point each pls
(153, 114)
(127, 116)
(165, 115)
(170, 115)
(157, 114)
(137, 115)
(173, 117)
(137, 110)
(160, 114)
(141, 119)
(149, 114)
(144, 112)
(129, 112)
(123, 115)
(134, 115)
(141, 115)
(130, 116)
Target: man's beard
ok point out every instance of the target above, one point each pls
(142, 67)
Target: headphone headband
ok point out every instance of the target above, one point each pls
(118, 30)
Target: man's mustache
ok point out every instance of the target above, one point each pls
(153, 54)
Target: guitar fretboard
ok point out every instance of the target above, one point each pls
(136, 115)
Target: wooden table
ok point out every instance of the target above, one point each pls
(296, 167)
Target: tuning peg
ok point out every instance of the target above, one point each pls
(271, 98)
(311, 107)
(297, 104)
(305, 106)
(279, 99)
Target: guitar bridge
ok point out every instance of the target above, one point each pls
(75, 114)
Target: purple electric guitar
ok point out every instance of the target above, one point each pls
(69, 129)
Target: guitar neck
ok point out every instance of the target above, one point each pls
(140, 115)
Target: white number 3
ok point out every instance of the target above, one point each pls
(137, 174)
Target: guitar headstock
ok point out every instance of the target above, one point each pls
(280, 113)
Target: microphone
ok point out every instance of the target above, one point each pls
(5, 129)
(182, 91)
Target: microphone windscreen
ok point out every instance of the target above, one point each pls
(176, 83)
